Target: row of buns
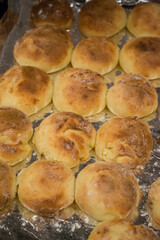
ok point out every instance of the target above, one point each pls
(37, 48)
(68, 138)
(103, 196)
(77, 90)
(100, 18)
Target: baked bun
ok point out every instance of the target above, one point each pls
(46, 47)
(8, 185)
(122, 230)
(153, 203)
(26, 88)
(56, 12)
(101, 18)
(46, 187)
(99, 54)
(65, 137)
(142, 56)
(80, 91)
(144, 19)
(125, 140)
(15, 132)
(107, 191)
(132, 95)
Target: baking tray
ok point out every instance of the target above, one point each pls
(16, 222)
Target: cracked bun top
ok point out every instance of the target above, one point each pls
(65, 137)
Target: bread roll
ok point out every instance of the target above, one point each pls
(122, 230)
(144, 19)
(132, 95)
(125, 140)
(80, 91)
(65, 137)
(46, 187)
(7, 183)
(101, 18)
(153, 203)
(56, 12)
(26, 88)
(15, 132)
(99, 54)
(141, 56)
(107, 191)
(46, 47)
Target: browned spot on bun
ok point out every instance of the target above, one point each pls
(8, 185)
(101, 18)
(26, 88)
(56, 12)
(46, 187)
(143, 20)
(65, 137)
(107, 191)
(80, 91)
(99, 54)
(142, 56)
(46, 47)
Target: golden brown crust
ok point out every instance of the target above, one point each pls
(144, 20)
(141, 56)
(107, 191)
(8, 185)
(101, 18)
(80, 91)
(46, 187)
(56, 12)
(132, 95)
(99, 54)
(15, 132)
(126, 140)
(153, 203)
(122, 230)
(26, 88)
(65, 137)
(46, 47)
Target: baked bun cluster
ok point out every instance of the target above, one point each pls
(132, 95)
(26, 88)
(144, 19)
(141, 56)
(153, 203)
(56, 12)
(46, 187)
(107, 191)
(46, 47)
(80, 91)
(125, 140)
(15, 132)
(99, 54)
(65, 137)
(101, 18)
(122, 230)
(8, 185)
